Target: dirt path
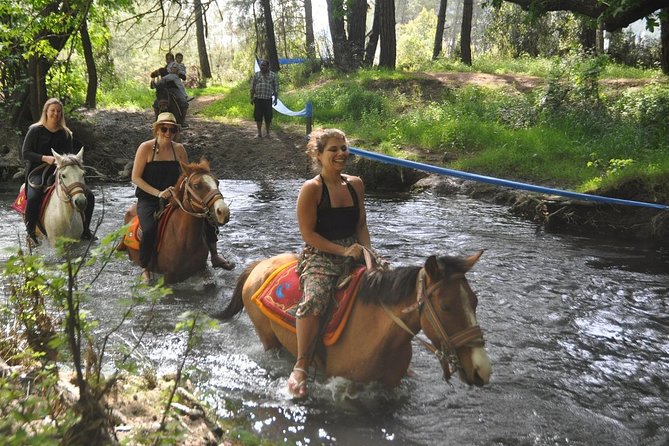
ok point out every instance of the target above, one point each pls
(112, 137)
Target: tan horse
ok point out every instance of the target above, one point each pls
(182, 250)
(390, 309)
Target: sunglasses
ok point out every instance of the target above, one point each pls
(169, 129)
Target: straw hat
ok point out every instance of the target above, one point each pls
(165, 118)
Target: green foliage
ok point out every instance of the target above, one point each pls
(513, 32)
(46, 310)
(415, 40)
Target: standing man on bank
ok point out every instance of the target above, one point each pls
(264, 93)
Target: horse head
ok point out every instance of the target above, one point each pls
(70, 181)
(447, 307)
(198, 193)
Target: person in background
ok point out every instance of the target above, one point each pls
(333, 223)
(181, 68)
(50, 132)
(155, 171)
(264, 87)
(171, 81)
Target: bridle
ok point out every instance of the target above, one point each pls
(69, 191)
(194, 201)
(447, 354)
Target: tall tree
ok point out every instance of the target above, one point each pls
(356, 19)
(270, 37)
(91, 68)
(439, 33)
(466, 32)
(387, 36)
(372, 42)
(664, 38)
(343, 56)
(309, 30)
(200, 33)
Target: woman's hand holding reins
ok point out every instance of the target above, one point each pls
(356, 251)
(167, 193)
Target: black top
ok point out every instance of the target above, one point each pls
(40, 140)
(159, 174)
(337, 223)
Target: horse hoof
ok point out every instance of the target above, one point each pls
(146, 276)
(220, 262)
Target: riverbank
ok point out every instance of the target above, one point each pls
(110, 138)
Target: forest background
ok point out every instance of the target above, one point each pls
(584, 104)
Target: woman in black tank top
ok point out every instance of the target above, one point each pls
(155, 171)
(333, 223)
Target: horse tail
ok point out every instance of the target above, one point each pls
(236, 304)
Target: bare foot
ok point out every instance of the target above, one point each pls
(297, 383)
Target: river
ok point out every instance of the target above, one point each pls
(577, 329)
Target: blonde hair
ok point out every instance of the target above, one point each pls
(318, 139)
(61, 122)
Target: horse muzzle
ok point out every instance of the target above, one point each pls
(221, 213)
(80, 202)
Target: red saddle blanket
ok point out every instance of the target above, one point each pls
(280, 294)
(21, 201)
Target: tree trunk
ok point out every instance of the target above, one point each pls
(272, 53)
(664, 39)
(309, 29)
(599, 40)
(357, 20)
(91, 68)
(388, 55)
(439, 33)
(588, 36)
(342, 54)
(466, 32)
(205, 68)
(370, 51)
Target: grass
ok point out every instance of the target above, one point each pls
(566, 137)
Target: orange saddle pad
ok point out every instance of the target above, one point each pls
(134, 233)
(279, 296)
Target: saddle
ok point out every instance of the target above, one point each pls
(280, 294)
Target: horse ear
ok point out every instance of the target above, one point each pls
(58, 156)
(472, 259)
(185, 167)
(432, 266)
(80, 156)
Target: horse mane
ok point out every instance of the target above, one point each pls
(70, 159)
(201, 166)
(388, 287)
(391, 286)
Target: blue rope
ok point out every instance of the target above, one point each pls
(500, 182)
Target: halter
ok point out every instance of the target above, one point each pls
(193, 200)
(68, 192)
(447, 355)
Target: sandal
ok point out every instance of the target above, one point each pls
(297, 387)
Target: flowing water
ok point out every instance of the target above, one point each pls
(577, 329)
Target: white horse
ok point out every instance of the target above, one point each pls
(64, 212)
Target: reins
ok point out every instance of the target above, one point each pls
(470, 337)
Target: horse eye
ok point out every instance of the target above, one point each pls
(445, 308)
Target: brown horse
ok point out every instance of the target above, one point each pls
(391, 308)
(182, 249)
